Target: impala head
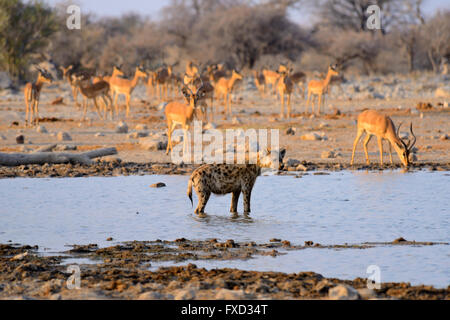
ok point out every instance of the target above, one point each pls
(282, 68)
(117, 72)
(66, 70)
(406, 147)
(140, 72)
(193, 98)
(332, 70)
(44, 75)
(237, 75)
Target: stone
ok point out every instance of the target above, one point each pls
(41, 129)
(2, 137)
(444, 137)
(20, 139)
(150, 296)
(122, 128)
(158, 185)
(290, 132)
(311, 137)
(225, 294)
(292, 162)
(154, 143)
(328, 155)
(137, 135)
(343, 292)
(99, 134)
(185, 294)
(301, 167)
(366, 293)
(63, 136)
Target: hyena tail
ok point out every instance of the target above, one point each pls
(189, 192)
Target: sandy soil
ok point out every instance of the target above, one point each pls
(432, 127)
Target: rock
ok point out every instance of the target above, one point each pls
(57, 101)
(63, 136)
(141, 127)
(158, 185)
(150, 296)
(323, 286)
(444, 137)
(5, 80)
(66, 147)
(328, 155)
(413, 157)
(122, 128)
(154, 143)
(225, 294)
(400, 240)
(366, 293)
(301, 167)
(324, 125)
(109, 239)
(443, 92)
(343, 292)
(311, 137)
(55, 296)
(290, 132)
(99, 134)
(424, 106)
(137, 135)
(41, 129)
(2, 137)
(20, 139)
(292, 162)
(415, 112)
(185, 294)
(19, 256)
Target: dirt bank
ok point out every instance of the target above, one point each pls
(124, 272)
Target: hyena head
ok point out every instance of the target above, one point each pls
(271, 158)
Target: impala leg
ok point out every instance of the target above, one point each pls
(308, 102)
(320, 103)
(358, 137)
(281, 106)
(97, 109)
(128, 97)
(27, 111)
(170, 127)
(289, 105)
(84, 108)
(234, 202)
(36, 111)
(366, 142)
(116, 106)
(390, 152)
(380, 146)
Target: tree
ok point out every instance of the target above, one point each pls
(25, 29)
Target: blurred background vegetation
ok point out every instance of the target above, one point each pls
(241, 33)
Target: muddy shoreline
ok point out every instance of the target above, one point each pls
(119, 168)
(123, 271)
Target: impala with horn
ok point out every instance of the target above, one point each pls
(376, 124)
(183, 114)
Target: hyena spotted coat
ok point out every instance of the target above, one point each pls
(221, 179)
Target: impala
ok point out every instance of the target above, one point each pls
(224, 87)
(67, 74)
(32, 93)
(285, 87)
(125, 87)
(116, 73)
(93, 91)
(320, 87)
(193, 83)
(260, 82)
(182, 114)
(375, 124)
(271, 77)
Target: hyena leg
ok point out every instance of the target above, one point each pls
(247, 196)
(203, 197)
(234, 202)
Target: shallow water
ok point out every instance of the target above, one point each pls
(343, 207)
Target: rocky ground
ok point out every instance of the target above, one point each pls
(125, 272)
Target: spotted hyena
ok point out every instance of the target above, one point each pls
(221, 179)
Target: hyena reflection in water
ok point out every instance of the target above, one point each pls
(222, 179)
